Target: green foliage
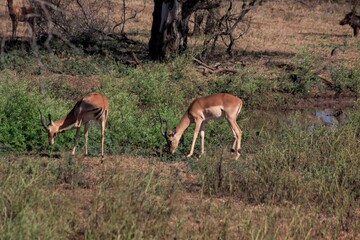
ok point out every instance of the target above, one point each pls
(248, 88)
(346, 79)
(300, 80)
(18, 60)
(18, 128)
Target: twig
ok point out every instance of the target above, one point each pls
(135, 58)
(203, 64)
(208, 69)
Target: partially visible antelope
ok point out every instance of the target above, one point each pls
(21, 14)
(353, 20)
(93, 106)
(200, 111)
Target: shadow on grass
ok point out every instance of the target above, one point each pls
(325, 34)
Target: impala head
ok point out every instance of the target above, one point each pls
(170, 137)
(51, 129)
(348, 17)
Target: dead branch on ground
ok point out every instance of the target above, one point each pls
(215, 69)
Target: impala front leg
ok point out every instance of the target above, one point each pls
(196, 132)
(86, 135)
(76, 140)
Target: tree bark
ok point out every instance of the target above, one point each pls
(156, 39)
(167, 29)
(170, 28)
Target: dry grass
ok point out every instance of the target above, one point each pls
(87, 196)
(289, 28)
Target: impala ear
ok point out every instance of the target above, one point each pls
(168, 132)
(161, 127)
(51, 122)
(43, 123)
(171, 132)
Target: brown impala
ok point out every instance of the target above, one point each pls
(21, 14)
(93, 106)
(201, 110)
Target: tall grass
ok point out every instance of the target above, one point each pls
(312, 167)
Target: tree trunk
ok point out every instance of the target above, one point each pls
(170, 28)
(156, 39)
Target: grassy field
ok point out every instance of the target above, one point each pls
(296, 178)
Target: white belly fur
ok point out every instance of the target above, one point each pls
(213, 112)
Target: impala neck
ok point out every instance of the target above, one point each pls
(66, 122)
(183, 125)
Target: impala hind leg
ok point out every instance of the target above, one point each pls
(76, 140)
(202, 135)
(237, 134)
(103, 125)
(78, 115)
(235, 141)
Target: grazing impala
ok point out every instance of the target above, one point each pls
(200, 111)
(93, 106)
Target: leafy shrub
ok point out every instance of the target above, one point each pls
(17, 60)
(300, 80)
(242, 85)
(19, 125)
(346, 79)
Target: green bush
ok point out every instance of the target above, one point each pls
(300, 80)
(20, 128)
(19, 117)
(346, 79)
